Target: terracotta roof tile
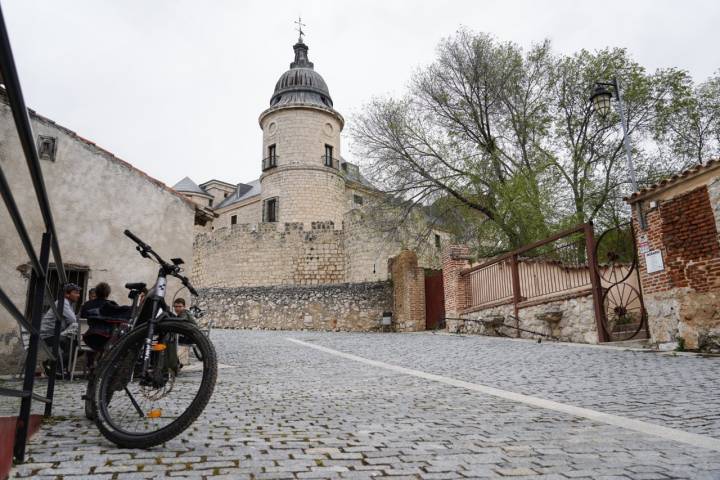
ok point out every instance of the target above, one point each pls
(673, 179)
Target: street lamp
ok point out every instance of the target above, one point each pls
(601, 100)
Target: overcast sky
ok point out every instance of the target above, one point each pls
(176, 87)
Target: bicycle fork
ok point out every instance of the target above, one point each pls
(149, 338)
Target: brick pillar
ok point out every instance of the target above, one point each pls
(454, 259)
(408, 292)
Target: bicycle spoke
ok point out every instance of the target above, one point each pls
(134, 402)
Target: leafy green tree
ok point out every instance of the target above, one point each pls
(688, 127)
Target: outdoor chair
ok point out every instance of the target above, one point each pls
(80, 346)
(25, 341)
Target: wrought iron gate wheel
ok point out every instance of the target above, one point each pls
(624, 312)
(615, 254)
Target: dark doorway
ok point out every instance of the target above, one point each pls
(434, 300)
(75, 274)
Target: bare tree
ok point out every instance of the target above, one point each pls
(465, 132)
(502, 143)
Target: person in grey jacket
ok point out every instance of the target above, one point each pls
(68, 327)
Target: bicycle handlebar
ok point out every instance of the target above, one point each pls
(145, 249)
(135, 239)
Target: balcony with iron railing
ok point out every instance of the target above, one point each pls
(269, 162)
(331, 162)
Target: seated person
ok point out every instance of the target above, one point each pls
(68, 327)
(103, 316)
(182, 312)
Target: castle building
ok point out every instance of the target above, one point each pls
(284, 250)
(304, 178)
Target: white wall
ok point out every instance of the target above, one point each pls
(94, 197)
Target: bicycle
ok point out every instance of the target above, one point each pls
(137, 396)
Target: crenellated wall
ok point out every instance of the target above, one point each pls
(251, 255)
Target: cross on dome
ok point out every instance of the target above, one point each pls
(299, 29)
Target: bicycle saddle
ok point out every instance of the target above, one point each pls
(135, 286)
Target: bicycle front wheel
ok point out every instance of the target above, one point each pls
(137, 409)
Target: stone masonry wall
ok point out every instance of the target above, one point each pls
(306, 194)
(267, 254)
(341, 307)
(307, 190)
(250, 212)
(569, 320)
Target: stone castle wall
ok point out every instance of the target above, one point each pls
(251, 255)
(340, 307)
(306, 194)
(300, 134)
(307, 190)
(250, 212)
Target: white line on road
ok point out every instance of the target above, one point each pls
(682, 436)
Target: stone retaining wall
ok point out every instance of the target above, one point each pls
(339, 307)
(569, 320)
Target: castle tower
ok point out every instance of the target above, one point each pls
(301, 177)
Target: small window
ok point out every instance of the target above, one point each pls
(270, 210)
(271, 160)
(225, 195)
(233, 220)
(437, 240)
(211, 202)
(46, 148)
(344, 166)
(358, 199)
(328, 156)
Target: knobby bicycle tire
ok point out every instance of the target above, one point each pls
(196, 407)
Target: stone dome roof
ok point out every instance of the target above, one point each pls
(301, 85)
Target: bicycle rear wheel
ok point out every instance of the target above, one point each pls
(141, 411)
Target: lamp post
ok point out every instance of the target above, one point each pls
(601, 100)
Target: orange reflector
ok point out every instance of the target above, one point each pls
(155, 413)
(158, 347)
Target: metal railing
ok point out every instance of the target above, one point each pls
(39, 264)
(557, 267)
(331, 162)
(269, 162)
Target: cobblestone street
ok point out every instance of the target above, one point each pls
(284, 409)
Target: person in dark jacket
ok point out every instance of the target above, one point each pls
(103, 316)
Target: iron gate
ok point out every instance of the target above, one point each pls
(623, 312)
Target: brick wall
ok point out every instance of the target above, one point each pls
(683, 228)
(408, 292)
(454, 259)
(682, 300)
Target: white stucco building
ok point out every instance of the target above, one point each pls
(94, 197)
